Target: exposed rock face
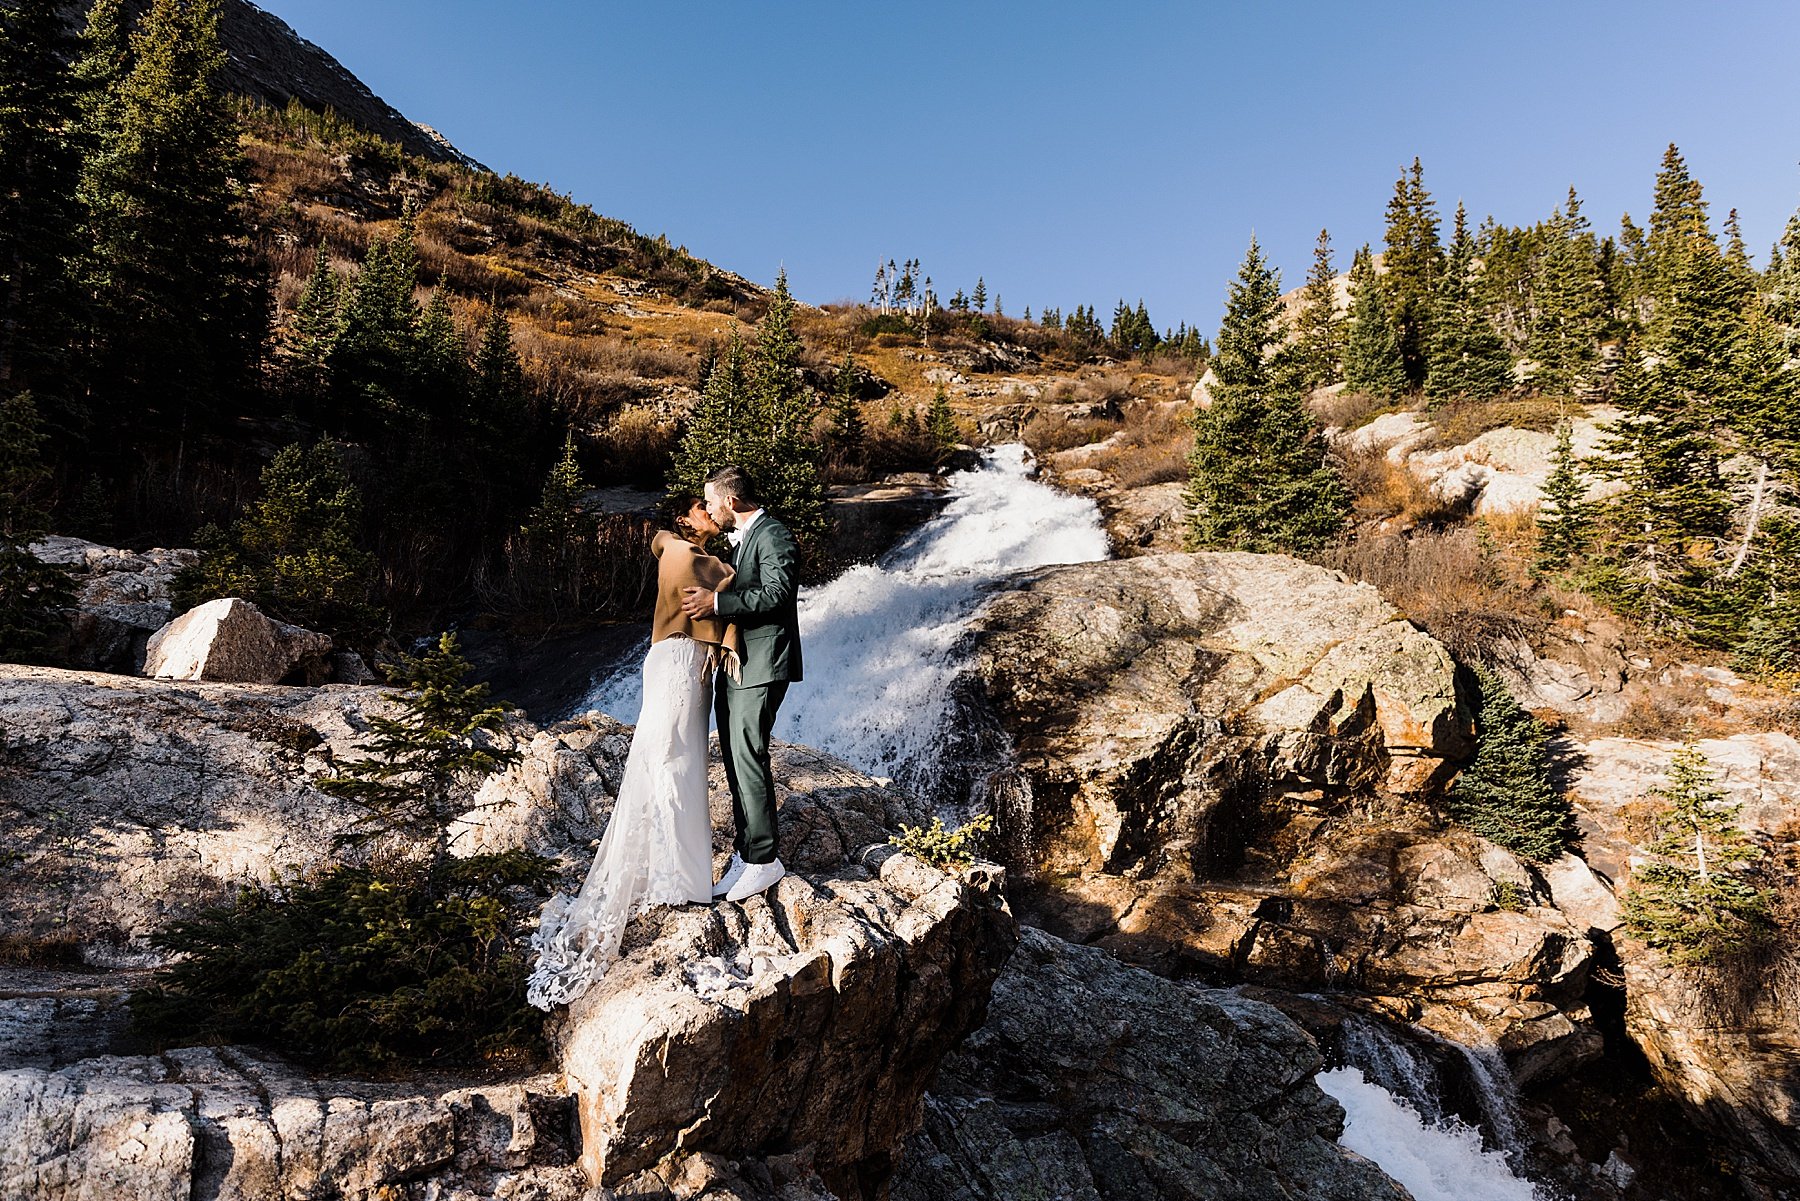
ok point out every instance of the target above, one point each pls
(754, 1051)
(122, 598)
(872, 518)
(1216, 760)
(231, 641)
(1096, 1080)
(1152, 701)
(1730, 1049)
(205, 1122)
(802, 1026)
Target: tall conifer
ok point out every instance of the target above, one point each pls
(1412, 263)
(1372, 363)
(40, 218)
(1259, 478)
(183, 307)
(1465, 356)
(1319, 341)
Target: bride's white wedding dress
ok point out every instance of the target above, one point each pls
(657, 849)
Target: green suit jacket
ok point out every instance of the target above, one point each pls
(762, 600)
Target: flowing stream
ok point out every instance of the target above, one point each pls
(881, 660)
(1392, 1096)
(881, 638)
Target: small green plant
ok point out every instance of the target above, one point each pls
(1510, 896)
(1700, 899)
(943, 847)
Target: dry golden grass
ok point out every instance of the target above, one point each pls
(1381, 489)
(1461, 421)
(1465, 594)
(1353, 410)
(1150, 447)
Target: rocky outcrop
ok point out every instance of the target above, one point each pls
(1499, 471)
(799, 1029)
(1095, 1080)
(872, 518)
(1727, 1045)
(1221, 764)
(228, 1123)
(770, 1050)
(232, 641)
(122, 597)
(1152, 702)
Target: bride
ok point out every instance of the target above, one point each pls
(657, 849)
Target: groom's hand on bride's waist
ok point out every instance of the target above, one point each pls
(698, 602)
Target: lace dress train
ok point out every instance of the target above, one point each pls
(657, 849)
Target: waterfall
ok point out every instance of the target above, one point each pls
(1392, 1094)
(880, 639)
(1436, 1161)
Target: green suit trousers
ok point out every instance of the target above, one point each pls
(745, 715)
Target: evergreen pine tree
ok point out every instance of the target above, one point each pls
(1372, 363)
(1700, 898)
(1320, 331)
(847, 425)
(979, 297)
(294, 551)
(498, 387)
(1564, 523)
(372, 358)
(441, 361)
(1663, 532)
(416, 778)
(1782, 281)
(1504, 794)
(182, 308)
(1465, 356)
(33, 594)
(1569, 293)
(722, 428)
(788, 474)
(1259, 478)
(40, 218)
(941, 423)
(1413, 262)
(317, 322)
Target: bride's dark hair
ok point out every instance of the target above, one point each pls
(675, 507)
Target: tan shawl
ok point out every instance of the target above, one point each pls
(681, 564)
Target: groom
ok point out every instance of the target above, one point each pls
(760, 599)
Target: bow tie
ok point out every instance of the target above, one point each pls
(734, 536)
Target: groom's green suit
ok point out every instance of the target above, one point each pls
(762, 600)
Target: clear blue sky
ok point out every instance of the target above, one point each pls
(1082, 152)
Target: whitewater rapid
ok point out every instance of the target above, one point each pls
(880, 638)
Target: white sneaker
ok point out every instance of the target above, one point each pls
(733, 870)
(757, 877)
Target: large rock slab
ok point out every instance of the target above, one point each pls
(132, 802)
(1095, 1080)
(1151, 702)
(230, 640)
(229, 1123)
(801, 1027)
(122, 597)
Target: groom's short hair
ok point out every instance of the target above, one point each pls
(736, 484)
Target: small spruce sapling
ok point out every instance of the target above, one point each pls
(1700, 898)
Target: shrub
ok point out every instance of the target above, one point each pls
(1505, 794)
(942, 847)
(357, 966)
(1700, 899)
